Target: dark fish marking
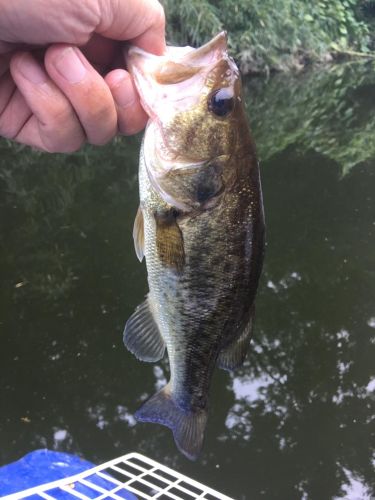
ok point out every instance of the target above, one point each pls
(210, 182)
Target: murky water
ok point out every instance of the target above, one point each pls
(297, 421)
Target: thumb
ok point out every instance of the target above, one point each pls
(140, 21)
(43, 22)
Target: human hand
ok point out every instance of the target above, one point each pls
(56, 96)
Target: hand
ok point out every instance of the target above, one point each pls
(58, 88)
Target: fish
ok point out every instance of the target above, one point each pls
(200, 226)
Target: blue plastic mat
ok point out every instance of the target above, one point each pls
(41, 467)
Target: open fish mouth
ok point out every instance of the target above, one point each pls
(177, 77)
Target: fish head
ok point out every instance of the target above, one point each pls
(193, 99)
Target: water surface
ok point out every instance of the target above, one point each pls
(297, 421)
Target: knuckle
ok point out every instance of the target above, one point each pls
(62, 114)
(101, 112)
(101, 123)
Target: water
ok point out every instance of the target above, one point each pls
(297, 421)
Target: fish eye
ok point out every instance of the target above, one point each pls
(221, 102)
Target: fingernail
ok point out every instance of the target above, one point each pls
(31, 70)
(123, 92)
(70, 66)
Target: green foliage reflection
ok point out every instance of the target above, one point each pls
(329, 111)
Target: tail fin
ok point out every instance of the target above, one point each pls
(187, 427)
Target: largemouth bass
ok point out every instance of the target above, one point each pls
(200, 226)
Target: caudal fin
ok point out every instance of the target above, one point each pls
(187, 427)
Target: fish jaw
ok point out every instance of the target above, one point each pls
(174, 81)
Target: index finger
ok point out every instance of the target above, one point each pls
(140, 21)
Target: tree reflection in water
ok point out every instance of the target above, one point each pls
(306, 392)
(297, 421)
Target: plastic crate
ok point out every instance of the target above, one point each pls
(135, 473)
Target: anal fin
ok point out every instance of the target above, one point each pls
(142, 336)
(233, 355)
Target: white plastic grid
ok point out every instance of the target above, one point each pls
(135, 473)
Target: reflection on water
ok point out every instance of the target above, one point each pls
(296, 421)
(328, 111)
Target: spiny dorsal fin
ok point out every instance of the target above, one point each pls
(142, 336)
(233, 356)
(169, 241)
(187, 427)
(139, 235)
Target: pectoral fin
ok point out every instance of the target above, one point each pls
(169, 241)
(142, 336)
(139, 235)
(233, 356)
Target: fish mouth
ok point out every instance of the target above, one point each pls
(138, 59)
(177, 76)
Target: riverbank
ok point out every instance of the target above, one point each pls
(277, 35)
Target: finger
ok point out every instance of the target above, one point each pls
(4, 64)
(74, 22)
(45, 118)
(14, 116)
(130, 114)
(42, 22)
(141, 21)
(6, 47)
(7, 88)
(86, 91)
